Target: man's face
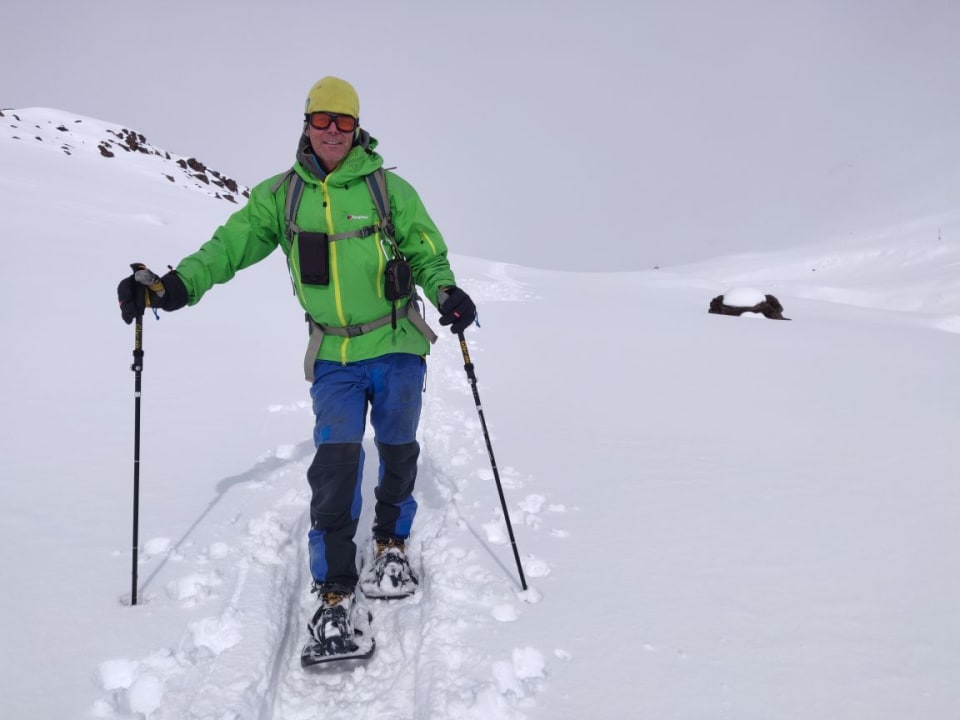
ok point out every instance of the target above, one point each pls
(331, 145)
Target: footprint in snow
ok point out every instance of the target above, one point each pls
(218, 551)
(535, 567)
(460, 459)
(496, 532)
(217, 633)
(194, 588)
(155, 547)
(134, 687)
(520, 674)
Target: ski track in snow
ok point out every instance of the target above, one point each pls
(244, 660)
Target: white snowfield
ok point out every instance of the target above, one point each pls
(718, 517)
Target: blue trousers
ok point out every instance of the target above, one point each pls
(391, 387)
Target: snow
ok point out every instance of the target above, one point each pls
(717, 517)
(744, 297)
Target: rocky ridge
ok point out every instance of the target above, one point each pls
(76, 134)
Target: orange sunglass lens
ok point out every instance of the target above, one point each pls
(345, 123)
(322, 120)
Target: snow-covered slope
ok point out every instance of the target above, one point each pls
(71, 134)
(719, 517)
(913, 267)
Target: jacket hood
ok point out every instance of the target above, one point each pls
(360, 161)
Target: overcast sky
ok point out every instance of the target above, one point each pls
(567, 134)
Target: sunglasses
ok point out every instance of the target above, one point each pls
(323, 120)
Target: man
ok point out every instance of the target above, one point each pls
(354, 275)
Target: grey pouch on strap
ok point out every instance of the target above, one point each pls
(416, 319)
(313, 348)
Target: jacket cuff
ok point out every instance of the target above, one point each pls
(176, 296)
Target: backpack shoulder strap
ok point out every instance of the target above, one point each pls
(280, 181)
(295, 187)
(377, 184)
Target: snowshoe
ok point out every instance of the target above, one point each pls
(339, 629)
(389, 575)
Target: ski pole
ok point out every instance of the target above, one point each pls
(137, 368)
(472, 377)
(152, 282)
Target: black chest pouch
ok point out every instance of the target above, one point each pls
(314, 254)
(397, 279)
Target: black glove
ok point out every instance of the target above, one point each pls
(144, 288)
(456, 309)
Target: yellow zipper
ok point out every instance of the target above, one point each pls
(334, 272)
(424, 236)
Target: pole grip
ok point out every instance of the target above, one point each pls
(467, 363)
(138, 345)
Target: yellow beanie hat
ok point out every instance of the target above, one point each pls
(334, 95)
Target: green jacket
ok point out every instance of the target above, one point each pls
(337, 203)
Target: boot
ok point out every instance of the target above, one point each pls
(332, 623)
(390, 574)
